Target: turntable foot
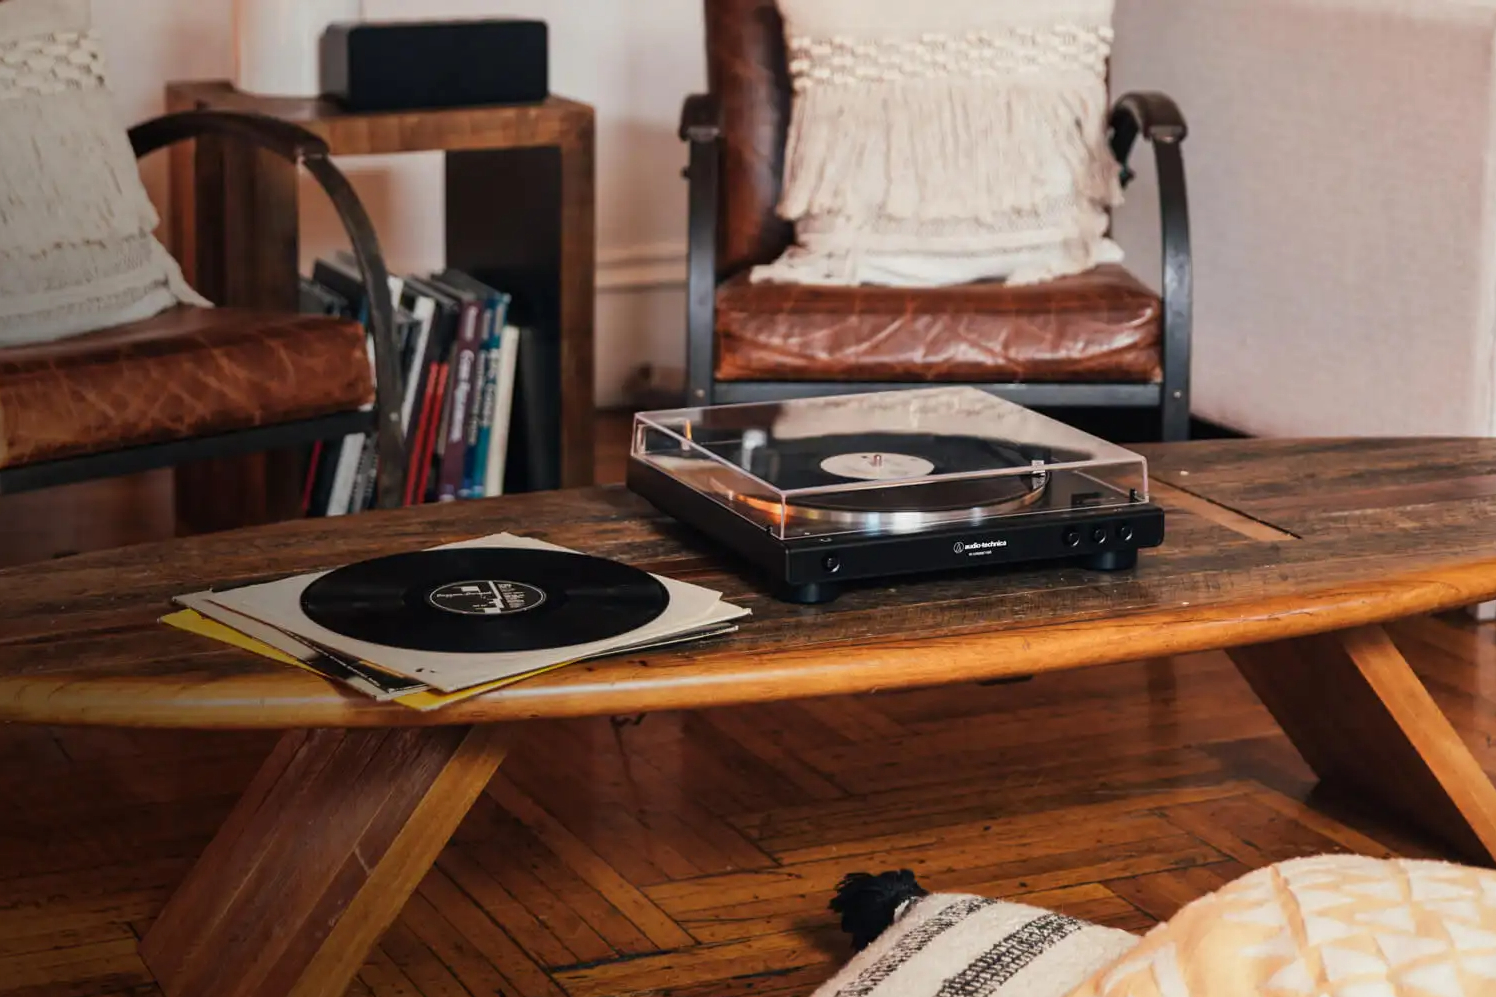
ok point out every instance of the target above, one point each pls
(1112, 560)
(814, 594)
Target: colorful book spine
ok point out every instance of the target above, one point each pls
(478, 485)
(465, 363)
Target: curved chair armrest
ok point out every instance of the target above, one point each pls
(700, 119)
(300, 146)
(290, 141)
(1157, 118)
(700, 126)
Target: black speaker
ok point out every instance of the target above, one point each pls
(410, 65)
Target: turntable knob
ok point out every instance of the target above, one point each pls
(1098, 535)
(1072, 538)
(831, 563)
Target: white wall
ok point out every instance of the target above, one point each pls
(634, 60)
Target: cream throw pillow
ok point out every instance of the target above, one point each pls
(947, 141)
(76, 249)
(1328, 926)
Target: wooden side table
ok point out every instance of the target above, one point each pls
(519, 215)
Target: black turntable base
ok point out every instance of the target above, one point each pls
(820, 492)
(813, 569)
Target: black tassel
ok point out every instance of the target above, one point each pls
(867, 903)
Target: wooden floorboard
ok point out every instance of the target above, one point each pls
(694, 853)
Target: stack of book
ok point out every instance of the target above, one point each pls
(479, 394)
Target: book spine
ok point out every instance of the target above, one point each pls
(503, 406)
(368, 473)
(310, 485)
(479, 442)
(474, 416)
(349, 456)
(416, 368)
(424, 489)
(416, 439)
(463, 384)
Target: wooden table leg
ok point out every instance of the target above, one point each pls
(317, 859)
(1364, 722)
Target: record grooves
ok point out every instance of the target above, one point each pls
(907, 503)
(484, 600)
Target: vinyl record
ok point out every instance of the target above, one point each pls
(818, 461)
(484, 600)
(821, 461)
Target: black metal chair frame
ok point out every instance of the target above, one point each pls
(1153, 116)
(296, 144)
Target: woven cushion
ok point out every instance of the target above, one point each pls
(76, 249)
(1099, 326)
(186, 373)
(1340, 925)
(954, 945)
(946, 141)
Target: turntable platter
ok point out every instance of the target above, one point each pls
(898, 460)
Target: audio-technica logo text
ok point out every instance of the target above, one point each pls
(981, 548)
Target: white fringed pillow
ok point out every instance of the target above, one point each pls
(947, 141)
(913, 944)
(76, 249)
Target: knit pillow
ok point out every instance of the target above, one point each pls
(1337, 925)
(954, 945)
(947, 141)
(76, 249)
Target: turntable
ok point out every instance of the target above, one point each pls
(818, 492)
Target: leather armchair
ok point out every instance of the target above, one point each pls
(197, 383)
(1099, 339)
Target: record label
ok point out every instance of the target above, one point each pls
(877, 466)
(487, 597)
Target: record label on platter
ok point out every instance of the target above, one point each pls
(485, 600)
(877, 466)
(488, 597)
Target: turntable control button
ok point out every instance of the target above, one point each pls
(1124, 533)
(1099, 534)
(831, 563)
(1072, 538)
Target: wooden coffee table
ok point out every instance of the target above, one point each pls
(1289, 554)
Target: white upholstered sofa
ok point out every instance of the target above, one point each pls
(1342, 171)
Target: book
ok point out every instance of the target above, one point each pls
(478, 396)
(500, 416)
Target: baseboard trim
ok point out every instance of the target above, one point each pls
(643, 267)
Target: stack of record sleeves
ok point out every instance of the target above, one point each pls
(433, 627)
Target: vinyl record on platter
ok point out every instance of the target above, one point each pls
(820, 461)
(828, 460)
(484, 600)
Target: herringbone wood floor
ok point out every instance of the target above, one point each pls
(693, 853)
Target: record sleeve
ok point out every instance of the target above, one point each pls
(278, 604)
(373, 682)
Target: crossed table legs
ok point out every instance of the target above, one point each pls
(339, 827)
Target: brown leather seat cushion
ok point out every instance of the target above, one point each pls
(187, 373)
(1100, 326)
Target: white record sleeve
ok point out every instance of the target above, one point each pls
(278, 604)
